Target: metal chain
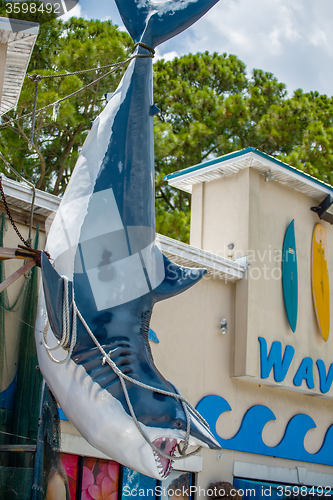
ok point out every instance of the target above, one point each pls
(26, 242)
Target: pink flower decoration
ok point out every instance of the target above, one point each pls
(86, 496)
(106, 486)
(113, 470)
(88, 479)
(100, 477)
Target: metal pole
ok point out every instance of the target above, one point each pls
(37, 486)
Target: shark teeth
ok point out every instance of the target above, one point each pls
(168, 446)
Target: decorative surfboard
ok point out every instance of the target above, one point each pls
(289, 275)
(320, 280)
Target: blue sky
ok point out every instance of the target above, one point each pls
(293, 39)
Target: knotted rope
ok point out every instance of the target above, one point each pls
(122, 376)
(37, 78)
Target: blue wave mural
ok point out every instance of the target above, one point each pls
(249, 436)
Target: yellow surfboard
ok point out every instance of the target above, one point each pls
(320, 280)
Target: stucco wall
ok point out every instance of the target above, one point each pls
(252, 214)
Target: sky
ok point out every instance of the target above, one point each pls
(293, 39)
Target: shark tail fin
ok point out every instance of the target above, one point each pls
(53, 285)
(177, 279)
(154, 22)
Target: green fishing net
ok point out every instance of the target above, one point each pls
(19, 412)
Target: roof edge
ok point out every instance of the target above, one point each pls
(15, 25)
(242, 152)
(23, 192)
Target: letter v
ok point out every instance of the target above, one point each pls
(274, 359)
(325, 381)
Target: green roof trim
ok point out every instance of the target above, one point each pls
(242, 152)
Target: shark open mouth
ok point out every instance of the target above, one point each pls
(168, 446)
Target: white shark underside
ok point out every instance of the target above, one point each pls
(103, 241)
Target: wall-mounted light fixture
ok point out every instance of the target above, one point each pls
(224, 326)
(230, 250)
(268, 175)
(325, 209)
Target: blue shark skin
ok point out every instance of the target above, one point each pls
(103, 241)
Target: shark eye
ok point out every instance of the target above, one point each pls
(178, 424)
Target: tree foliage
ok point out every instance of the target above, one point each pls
(62, 48)
(209, 107)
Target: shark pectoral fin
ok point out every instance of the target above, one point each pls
(53, 285)
(177, 279)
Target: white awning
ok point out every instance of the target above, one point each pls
(19, 195)
(189, 256)
(20, 37)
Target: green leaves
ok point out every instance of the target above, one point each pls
(62, 48)
(210, 108)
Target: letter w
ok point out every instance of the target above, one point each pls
(274, 360)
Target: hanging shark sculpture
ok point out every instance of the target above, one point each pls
(103, 240)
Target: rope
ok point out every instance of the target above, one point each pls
(60, 75)
(36, 79)
(18, 318)
(36, 112)
(122, 376)
(17, 435)
(65, 329)
(140, 44)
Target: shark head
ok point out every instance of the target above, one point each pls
(165, 428)
(105, 422)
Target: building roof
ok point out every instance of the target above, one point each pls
(190, 256)
(19, 195)
(20, 37)
(245, 158)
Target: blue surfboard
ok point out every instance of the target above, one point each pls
(289, 275)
